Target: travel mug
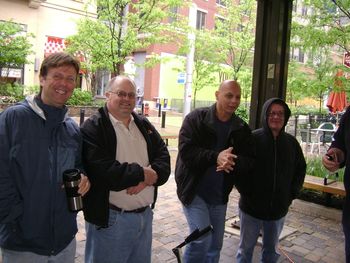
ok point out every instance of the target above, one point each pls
(71, 179)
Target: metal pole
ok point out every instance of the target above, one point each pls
(163, 119)
(159, 109)
(190, 60)
(82, 116)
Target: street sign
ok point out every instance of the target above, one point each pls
(181, 78)
(346, 61)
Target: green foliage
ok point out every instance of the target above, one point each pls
(234, 35)
(306, 109)
(242, 113)
(14, 45)
(106, 42)
(327, 26)
(11, 93)
(316, 168)
(80, 98)
(323, 33)
(32, 89)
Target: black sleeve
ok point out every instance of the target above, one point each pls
(99, 158)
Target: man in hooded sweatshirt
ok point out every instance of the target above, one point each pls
(277, 179)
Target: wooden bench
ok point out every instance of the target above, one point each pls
(320, 184)
(166, 137)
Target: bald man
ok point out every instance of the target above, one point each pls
(126, 160)
(215, 151)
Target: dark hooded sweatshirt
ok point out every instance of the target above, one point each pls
(279, 172)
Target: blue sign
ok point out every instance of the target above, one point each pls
(181, 78)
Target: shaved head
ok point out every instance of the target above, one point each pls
(228, 98)
(229, 83)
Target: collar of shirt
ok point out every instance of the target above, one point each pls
(115, 121)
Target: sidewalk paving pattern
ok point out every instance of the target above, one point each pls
(315, 239)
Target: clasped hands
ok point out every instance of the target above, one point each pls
(150, 178)
(226, 160)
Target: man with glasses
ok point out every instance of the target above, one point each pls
(126, 160)
(268, 192)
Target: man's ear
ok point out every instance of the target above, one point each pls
(41, 79)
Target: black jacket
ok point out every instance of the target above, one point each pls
(106, 173)
(197, 138)
(279, 172)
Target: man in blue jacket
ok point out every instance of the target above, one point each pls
(337, 157)
(268, 191)
(38, 141)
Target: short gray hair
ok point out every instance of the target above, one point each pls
(119, 78)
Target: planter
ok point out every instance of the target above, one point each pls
(325, 199)
(74, 111)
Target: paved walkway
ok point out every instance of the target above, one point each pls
(313, 238)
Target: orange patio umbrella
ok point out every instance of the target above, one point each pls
(337, 98)
(336, 101)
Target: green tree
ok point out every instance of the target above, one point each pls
(205, 62)
(296, 82)
(122, 27)
(323, 78)
(245, 76)
(225, 49)
(328, 24)
(322, 30)
(15, 45)
(235, 35)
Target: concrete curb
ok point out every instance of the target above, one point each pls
(313, 209)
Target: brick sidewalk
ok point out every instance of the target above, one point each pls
(315, 238)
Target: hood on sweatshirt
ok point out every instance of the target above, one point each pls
(265, 110)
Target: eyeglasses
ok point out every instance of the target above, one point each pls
(278, 114)
(123, 94)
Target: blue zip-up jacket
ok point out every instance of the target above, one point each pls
(35, 150)
(279, 171)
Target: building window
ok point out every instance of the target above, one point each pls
(173, 14)
(200, 24)
(221, 2)
(240, 28)
(219, 21)
(304, 11)
(301, 56)
(295, 6)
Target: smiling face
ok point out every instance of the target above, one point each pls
(121, 98)
(58, 85)
(275, 118)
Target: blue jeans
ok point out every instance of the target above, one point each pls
(127, 239)
(199, 214)
(250, 229)
(66, 255)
